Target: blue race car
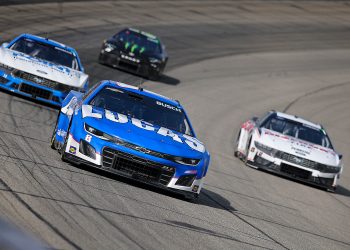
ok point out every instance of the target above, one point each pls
(41, 69)
(134, 133)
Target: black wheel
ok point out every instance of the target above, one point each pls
(53, 142)
(62, 150)
(245, 158)
(153, 75)
(100, 60)
(193, 198)
(236, 152)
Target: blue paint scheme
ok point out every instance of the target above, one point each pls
(73, 124)
(12, 80)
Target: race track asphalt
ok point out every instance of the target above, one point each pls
(229, 61)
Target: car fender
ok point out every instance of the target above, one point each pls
(69, 105)
(251, 150)
(244, 136)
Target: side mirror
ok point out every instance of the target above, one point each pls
(340, 156)
(4, 45)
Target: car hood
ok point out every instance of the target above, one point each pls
(174, 143)
(42, 68)
(299, 147)
(134, 52)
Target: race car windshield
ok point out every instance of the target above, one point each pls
(143, 108)
(46, 52)
(138, 43)
(298, 130)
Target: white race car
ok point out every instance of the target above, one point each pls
(290, 146)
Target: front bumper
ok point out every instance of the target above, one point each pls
(135, 165)
(141, 67)
(291, 170)
(31, 90)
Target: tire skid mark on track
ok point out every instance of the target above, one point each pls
(114, 225)
(28, 119)
(294, 228)
(245, 221)
(253, 197)
(236, 213)
(337, 85)
(58, 208)
(23, 136)
(313, 93)
(39, 217)
(31, 173)
(113, 193)
(202, 231)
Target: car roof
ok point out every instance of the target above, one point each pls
(141, 91)
(50, 41)
(149, 35)
(298, 119)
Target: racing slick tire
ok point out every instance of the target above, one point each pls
(62, 150)
(153, 75)
(236, 152)
(331, 189)
(53, 142)
(100, 60)
(245, 157)
(193, 198)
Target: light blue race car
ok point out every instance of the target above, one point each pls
(134, 133)
(41, 69)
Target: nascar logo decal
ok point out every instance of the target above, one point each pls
(120, 118)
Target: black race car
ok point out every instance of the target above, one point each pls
(135, 51)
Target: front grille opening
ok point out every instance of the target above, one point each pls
(137, 167)
(56, 99)
(328, 182)
(186, 180)
(3, 80)
(262, 161)
(86, 149)
(129, 66)
(298, 160)
(296, 172)
(36, 79)
(44, 81)
(15, 85)
(35, 92)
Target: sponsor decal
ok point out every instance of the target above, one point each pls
(87, 111)
(248, 125)
(69, 108)
(88, 138)
(165, 105)
(306, 145)
(62, 133)
(72, 150)
(25, 57)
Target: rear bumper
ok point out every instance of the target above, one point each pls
(31, 90)
(293, 171)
